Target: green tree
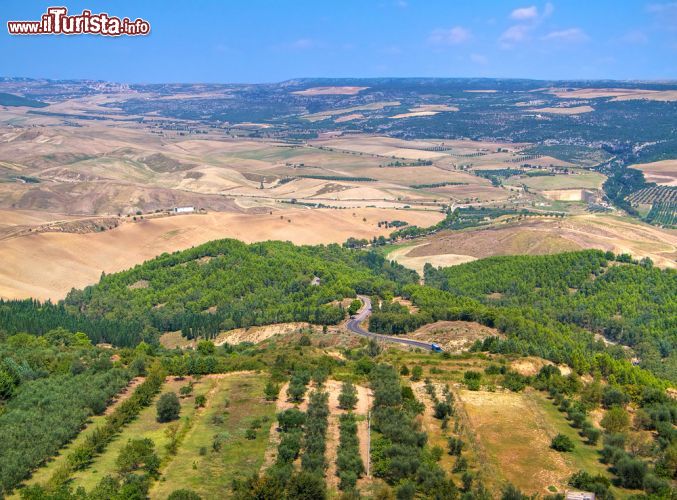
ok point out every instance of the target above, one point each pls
(355, 306)
(631, 472)
(562, 443)
(206, 347)
(271, 391)
(168, 407)
(138, 454)
(306, 486)
(348, 397)
(615, 420)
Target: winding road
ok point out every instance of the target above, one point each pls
(353, 324)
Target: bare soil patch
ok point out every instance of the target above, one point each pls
(256, 334)
(454, 336)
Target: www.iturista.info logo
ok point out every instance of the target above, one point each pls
(56, 21)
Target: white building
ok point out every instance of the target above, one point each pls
(183, 210)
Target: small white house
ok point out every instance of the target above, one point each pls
(183, 210)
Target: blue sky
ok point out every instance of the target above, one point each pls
(265, 41)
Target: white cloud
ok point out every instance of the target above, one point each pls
(479, 59)
(529, 19)
(658, 8)
(524, 13)
(297, 45)
(302, 43)
(571, 35)
(665, 14)
(531, 13)
(548, 10)
(635, 37)
(391, 50)
(514, 34)
(451, 36)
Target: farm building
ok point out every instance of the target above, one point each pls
(183, 210)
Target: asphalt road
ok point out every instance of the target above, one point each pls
(353, 324)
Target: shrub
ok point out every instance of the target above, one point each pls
(514, 381)
(599, 484)
(271, 391)
(512, 493)
(416, 373)
(656, 486)
(250, 434)
(631, 472)
(615, 420)
(138, 454)
(455, 445)
(306, 485)
(348, 397)
(291, 419)
(186, 390)
(168, 407)
(592, 435)
(183, 495)
(436, 453)
(562, 443)
(614, 396)
(460, 465)
(472, 380)
(289, 447)
(406, 491)
(442, 410)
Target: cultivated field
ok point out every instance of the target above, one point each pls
(48, 265)
(544, 236)
(663, 173)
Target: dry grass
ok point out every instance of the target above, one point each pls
(515, 434)
(545, 236)
(405, 257)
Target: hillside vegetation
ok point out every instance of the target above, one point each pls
(629, 303)
(228, 284)
(615, 419)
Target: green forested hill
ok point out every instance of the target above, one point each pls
(227, 284)
(633, 304)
